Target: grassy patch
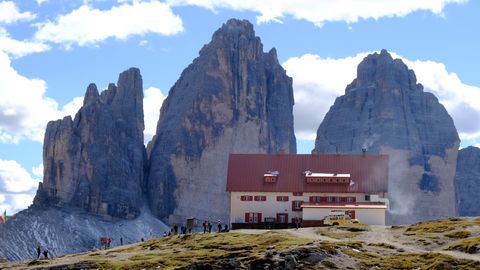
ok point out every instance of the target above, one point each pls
(458, 234)
(343, 231)
(430, 228)
(469, 245)
(382, 245)
(209, 249)
(417, 261)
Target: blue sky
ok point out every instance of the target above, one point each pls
(50, 50)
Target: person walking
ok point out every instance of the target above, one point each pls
(210, 227)
(38, 251)
(121, 241)
(205, 226)
(45, 253)
(219, 226)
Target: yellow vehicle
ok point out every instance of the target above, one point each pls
(338, 217)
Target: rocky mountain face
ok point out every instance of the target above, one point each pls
(233, 98)
(385, 111)
(96, 162)
(467, 181)
(64, 231)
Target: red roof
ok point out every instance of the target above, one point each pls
(369, 173)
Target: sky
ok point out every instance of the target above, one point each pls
(50, 50)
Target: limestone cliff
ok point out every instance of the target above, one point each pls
(385, 111)
(467, 181)
(233, 98)
(96, 162)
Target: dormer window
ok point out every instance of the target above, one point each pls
(326, 178)
(270, 176)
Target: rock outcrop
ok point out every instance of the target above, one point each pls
(233, 98)
(385, 111)
(467, 181)
(96, 162)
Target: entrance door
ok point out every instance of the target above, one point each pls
(282, 218)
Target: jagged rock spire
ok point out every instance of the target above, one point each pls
(232, 98)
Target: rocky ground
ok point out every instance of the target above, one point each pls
(444, 244)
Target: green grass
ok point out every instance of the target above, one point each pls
(469, 245)
(458, 234)
(430, 228)
(416, 261)
(210, 249)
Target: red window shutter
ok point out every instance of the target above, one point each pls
(247, 217)
(286, 218)
(293, 206)
(354, 199)
(312, 199)
(259, 215)
(344, 199)
(278, 218)
(242, 198)
(285, 198)
(264, 198)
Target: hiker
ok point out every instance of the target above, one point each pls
(226, 228)
(38, 252)
(175, 229)
(205, 224)
(109, 242)
(164, 234)
(219, 226)
(45, 254)
(296, 223)
(183, 229)
(121, 241)
(210, 227)
(142, 239)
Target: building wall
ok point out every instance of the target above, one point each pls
(271, 207)
(369, 216)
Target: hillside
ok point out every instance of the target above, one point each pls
(443, 244)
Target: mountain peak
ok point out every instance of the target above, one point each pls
(380, 69)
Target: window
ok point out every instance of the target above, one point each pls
(315, 199)
(351, 199)
(329, 199)
(367, 197)
(297, 205)
(338, 199)
(260, 198)
(282, 218)
(246, 198)
(270, 179)
(253, 217)
(297, 193)
(282, 198)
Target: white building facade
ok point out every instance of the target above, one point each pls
(281, 188)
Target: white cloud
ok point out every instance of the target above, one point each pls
(17, 187)
(88, 26)
(40, 2)
(319, 12)
(318, 81)
(152, 101)
(19, 48)
(14, 178)
(9, 13)
(24, 108)
(38, 171)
